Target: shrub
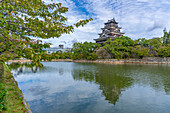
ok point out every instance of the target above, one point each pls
(77, 56)
(164, 51)
(92, 56)
(2, 98)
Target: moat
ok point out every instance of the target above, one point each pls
(67, 87)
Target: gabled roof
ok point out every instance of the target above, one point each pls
(111, 21)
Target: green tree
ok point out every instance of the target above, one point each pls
(119, 47)
(155, 43)
(3, 93)
(164, 51)
(84, 50)
(166, 38)
(22, 19)
(143, 42)
(140, 51)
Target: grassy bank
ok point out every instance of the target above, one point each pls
(15, 101)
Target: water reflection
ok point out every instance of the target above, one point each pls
(19, 68)
(110, 83)
(62, 87)
(156, 76)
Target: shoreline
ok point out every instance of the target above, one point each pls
(27, 60)
(15, 99)
(115, 61)
(147, 60)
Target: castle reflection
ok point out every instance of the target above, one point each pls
(113, 80)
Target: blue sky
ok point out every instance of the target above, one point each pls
(138, 18)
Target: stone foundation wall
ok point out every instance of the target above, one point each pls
(147, 60)
(150, 60)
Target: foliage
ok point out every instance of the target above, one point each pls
(140, 51)
(143, 42)
(84, 50)
(119, 47)
(164, 51)
(14, 97)
(1, 70)
(64, 55)
(57, 55)
(102, 53)
(166, 38)
(92, 56)
(124, 47)
(155, 43)
(14, 66)
(22, 19)
(2, 98)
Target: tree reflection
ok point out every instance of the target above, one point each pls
(113, 79)
(113, 86)
(18, 68)
(110, 83)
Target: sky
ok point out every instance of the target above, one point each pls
(138, 18)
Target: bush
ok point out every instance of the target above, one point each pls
(164, 51)
(2, 98)
(77, 56)
(1, 69)
(92, 56)
(84, 50)
(141, 52)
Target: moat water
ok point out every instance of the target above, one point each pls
(67, 87)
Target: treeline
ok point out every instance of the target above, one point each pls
(125, 47)
(79, 51)
(85, 51)
(57, 55)
(119, 48)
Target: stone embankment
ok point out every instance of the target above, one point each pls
(26, 60)
(148, 60)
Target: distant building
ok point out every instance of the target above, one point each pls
(110, 31)
(57, 49)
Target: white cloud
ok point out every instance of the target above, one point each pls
(138, 18)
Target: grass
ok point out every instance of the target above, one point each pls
(14, 97)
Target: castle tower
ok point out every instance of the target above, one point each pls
(110, 31)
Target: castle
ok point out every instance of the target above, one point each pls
(110, 31)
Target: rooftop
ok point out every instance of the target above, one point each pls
(111, 21)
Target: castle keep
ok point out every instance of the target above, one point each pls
(110, 31)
